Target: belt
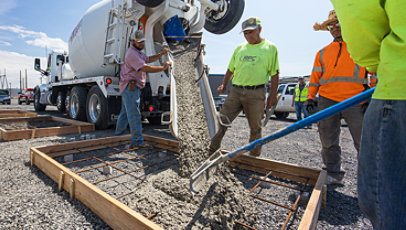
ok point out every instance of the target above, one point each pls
(249, 86)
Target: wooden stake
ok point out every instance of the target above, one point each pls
(72, 189)
(324, 196)
(61, 179)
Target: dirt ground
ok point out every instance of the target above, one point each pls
(30, 200)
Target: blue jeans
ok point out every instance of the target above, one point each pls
(299, 107)
(382, 164)
(130, 114)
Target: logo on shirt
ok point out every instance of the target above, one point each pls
(249, 59)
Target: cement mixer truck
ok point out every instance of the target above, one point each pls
(84, 81)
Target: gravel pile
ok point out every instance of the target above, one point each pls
(30, 200)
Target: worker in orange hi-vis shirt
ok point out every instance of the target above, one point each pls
(335, 77)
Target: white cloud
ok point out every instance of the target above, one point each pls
(3, 43)
(38, 39)
(14, 62)
(7, 5)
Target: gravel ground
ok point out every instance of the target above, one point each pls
(30, 200)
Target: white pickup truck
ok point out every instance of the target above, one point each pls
(284, 106)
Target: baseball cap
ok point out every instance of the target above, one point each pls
(301, 77)
(138, 36)
(251, 24)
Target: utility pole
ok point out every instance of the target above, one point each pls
(20, 83)
(26, 81)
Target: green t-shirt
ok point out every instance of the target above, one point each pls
(375, 33)
(253, 64)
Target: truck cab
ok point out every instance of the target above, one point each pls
(284, 106)
(27, 96)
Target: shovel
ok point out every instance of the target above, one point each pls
(197, 179)
(270, 112)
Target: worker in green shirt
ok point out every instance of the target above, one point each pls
(250, 67)
(375, 32)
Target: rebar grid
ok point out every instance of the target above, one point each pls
(293, 209)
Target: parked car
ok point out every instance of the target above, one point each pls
(219, 101)
(27, 96)
(4, 97)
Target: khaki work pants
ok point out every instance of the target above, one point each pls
(252, 101)
(329, 131)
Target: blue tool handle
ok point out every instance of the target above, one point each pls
(366, 95)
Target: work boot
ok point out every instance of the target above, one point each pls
(332, 180)
(335, 178)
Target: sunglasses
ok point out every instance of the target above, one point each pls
(330, 27)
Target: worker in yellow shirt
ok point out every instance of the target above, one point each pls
(250, 67)
(376, 35)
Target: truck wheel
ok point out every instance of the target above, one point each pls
(67, 101)
(96, 108)
(37, 105)
(27, 101)
(60, 102)
(281, 115)
(220, 22)
(150, 3)
(77, 104)
(19, 101)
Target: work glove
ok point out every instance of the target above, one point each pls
(310, 107)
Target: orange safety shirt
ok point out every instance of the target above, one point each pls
(335, 75)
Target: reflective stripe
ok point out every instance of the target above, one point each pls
(314, 84)
(317, 69)
(322, 61)
(343, 79)
(356, 71)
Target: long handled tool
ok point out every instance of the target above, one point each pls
(270, 112)
(197, 178)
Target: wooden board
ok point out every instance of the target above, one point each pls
(120, 216)
(16, 113)
(71, 127)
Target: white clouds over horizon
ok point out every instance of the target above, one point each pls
(13, 63)
(38, 39)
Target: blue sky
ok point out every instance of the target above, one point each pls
(27, 27)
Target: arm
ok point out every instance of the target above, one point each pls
(364, 25)
(272, 98)
(293, 100)
(315, 77)
(155, 69)
(157, 56)
(222, 88)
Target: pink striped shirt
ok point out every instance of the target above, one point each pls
(131, 69)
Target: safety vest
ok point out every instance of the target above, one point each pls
(335, 75)
(301, 96)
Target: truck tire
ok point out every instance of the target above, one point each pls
(281, 115)
(77, 103)
(19, 101)
(67, 101)
(60, 101)
(96, 108)
(223, 21)
(150, 3)
(27, 101)
(37, 105)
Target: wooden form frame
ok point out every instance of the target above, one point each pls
(9, 113)
(71, 128)
(119, 216)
